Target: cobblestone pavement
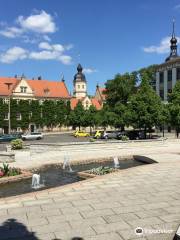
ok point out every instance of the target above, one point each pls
(108, 207)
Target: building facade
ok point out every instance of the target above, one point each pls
(20, 88)
(168, 73)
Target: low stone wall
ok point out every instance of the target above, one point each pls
(7, 157)
(17, 178)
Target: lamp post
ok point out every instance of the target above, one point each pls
(9, 107)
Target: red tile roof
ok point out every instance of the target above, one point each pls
(96, 103)
(56, 89)
(74, 102)
(103, 95)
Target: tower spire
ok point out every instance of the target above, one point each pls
(173, 32)
(173, 45)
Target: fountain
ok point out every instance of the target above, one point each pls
(116, 162)
(36, 181)
(66, 163)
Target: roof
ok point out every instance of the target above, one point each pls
(94, 102)
(55, 89)
(74, 102)
(103, 95)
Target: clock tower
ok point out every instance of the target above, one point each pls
(80, 83)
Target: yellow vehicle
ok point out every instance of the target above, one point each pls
(98, 134)
(81, 134)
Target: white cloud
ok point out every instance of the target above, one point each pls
(11, 32)
(50, 52)
(40, 23)
(177, 7)
(89, 70)
(47, 38)
(65, 59)
(13, 54)
(162, 48)
(45, 45)
(17, 53)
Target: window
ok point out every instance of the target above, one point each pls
(5, 100)
(18, 116)
(161, 77)
(178, 73)
(169, 75)
(162, 94)
(78, 86)
(6, 116)
(46, 92)
(23, 89)
(83, 86)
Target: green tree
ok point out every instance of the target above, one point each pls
(174, 108)
(120, 88)
(145, 107)
(90, 117)
(77, 116)
(49, 113)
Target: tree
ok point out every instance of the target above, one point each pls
(145, 107)
(118, 91)
(90, 117)
(174, 108)
(77, 116)
(49, 113)
(61, 112)
(120, 88)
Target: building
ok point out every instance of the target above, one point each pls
(168, 72)
(20, 88)
(80, 92)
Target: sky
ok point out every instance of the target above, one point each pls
(49, 38)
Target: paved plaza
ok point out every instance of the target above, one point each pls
(109, 207)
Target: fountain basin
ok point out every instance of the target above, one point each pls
(53, 175)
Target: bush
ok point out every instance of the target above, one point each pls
(124, 138)
(92, 140)
(101, 170)
(16, 144)
(7, 171)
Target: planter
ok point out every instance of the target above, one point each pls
(10, 179)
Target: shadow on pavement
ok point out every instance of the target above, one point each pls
(12, 229)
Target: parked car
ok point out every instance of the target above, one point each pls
(110, 135)
(79, 133)
(135, 134)
(98, 134)
(32, 136)
(9, 137)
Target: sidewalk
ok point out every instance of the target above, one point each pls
(108, 207)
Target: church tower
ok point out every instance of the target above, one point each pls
(173, 45)
(80, 84)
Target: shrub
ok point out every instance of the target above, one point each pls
(16, 144)
(92, 140)
(124, 138)
(8, 171)
(101, 170)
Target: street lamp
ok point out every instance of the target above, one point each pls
(9, 107)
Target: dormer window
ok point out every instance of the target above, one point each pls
(23, 89)
(46, 91)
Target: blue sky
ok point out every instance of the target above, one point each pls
(50, 37)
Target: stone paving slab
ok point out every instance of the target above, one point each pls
(107, 207)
